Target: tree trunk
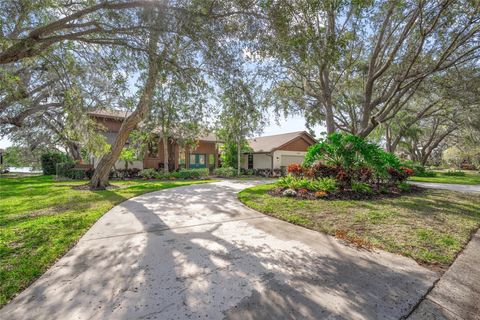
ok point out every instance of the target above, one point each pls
(428, 151)
(165, 153)
(329, 119)
(73, 149)
(100, 176)
(239, 157)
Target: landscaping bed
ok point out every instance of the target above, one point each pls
(305, 194)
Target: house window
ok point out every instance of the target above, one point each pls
(193, 159)
(250, 161)
(153, 149)
(211, 159)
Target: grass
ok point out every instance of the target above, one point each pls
(471, 178)
(40, 219)
(430, 227)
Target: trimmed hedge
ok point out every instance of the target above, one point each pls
(50, 160)
(184, 174)
(226, 172)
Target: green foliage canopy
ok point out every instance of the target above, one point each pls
(351, 151)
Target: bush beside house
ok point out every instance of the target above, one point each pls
(50, 160)
(183, 174)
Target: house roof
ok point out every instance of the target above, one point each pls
(110, 113)
(121, 114)
(274, 142)
(209, 137)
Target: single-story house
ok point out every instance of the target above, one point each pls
(204, 154)
(277, 151)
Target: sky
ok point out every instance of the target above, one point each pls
(289, 124)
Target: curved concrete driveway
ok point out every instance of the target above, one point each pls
(195, 252)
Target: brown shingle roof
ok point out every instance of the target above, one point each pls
(271, 143)
(209, 137)
(110, 113)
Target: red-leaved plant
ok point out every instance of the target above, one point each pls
(295, 169)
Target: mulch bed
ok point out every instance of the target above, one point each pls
(349, 194)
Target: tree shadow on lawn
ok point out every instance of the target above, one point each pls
(461, 204)
(166, 270)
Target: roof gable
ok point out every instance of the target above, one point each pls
(275, 142)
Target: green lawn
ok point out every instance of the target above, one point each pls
(431, 227)
(471, 177)
(40, 219)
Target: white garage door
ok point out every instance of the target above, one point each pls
(287, 160)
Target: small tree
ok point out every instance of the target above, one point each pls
(128, 155)
(242, 115)
(229, 154)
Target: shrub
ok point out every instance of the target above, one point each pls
(455, 173)
(302, 191)
(403, 186)
(361, 187)
(50, 160)
(350, 151)
(320, 170)
(268, 172)
(68, 170)
(290, 193)
(89, 173)
(320, 194)
(148, 173)
(468, 166)
(363, 174)
(247, 172)
(397, 175)
(292, 182)
(182, 174)
(295, 169)
(407, 171)
(191, 173)
(226, 172)
(323, 184)
(127, 173)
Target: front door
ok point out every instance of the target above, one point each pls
(250, 161)
(197, 161)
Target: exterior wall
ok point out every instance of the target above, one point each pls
(260, 161)
(110, 125)
(154, 161)
(135, 164)
(203, 147)
(297, 144)
(277, 156)
(119, 164)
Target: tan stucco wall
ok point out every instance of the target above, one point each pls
(260, 161)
